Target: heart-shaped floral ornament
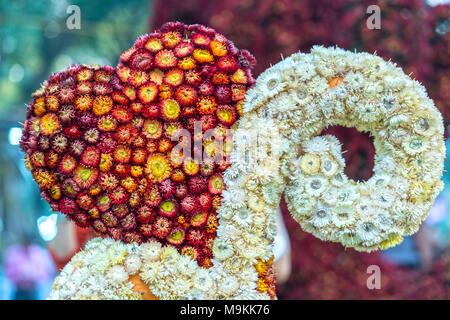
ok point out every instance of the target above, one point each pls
(137, 152)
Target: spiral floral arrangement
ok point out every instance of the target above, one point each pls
(334, 87)
(100, 143)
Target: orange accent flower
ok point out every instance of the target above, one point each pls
(107, 123)
(130, 92)
(239, 77)
(164, 145)
(49, 124)
(206, 263)
(220, 78)
(218, 49)
(154, 45)
(106, 162)
(137, 78)
(148, 92)
(122, 154)
(238, 92)
(39, 106)
(152, 129)
(177, 175)
(239, 108)
(158, 168)
(186, 95)
(212, 223)
(83, 103)
(136, 107)
(165, 92)
(44, 178)
(84, 74)
(261, 267)
(123, 72)
(171, 39)
(170, 109)
(139, 156)
(262, 285)
(206, 105)
(102, 105)
(335, 81)
(129, 184)
(102, 76)
(187, 63)
(136, 171)
(203, 55)
(174, 77)
(165, 59)
(190, 166)
(52, 103)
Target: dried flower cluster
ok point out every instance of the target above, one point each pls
(329, 271)
(335, 87)
(101, 141)
(276, 149)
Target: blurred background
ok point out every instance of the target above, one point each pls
(35, 40)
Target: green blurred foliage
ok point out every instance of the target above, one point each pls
(35, 41)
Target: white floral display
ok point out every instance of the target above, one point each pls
(277, 149)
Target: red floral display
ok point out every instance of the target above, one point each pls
(100, 141)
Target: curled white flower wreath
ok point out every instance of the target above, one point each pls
(291, 104)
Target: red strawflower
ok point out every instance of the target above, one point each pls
(190, 204)
(167, 188)
(129, 237)
(115, 233)
(205, 201)
(195, 236)
(67, 205)
(91, 156)
(151, 110)
(161, 227)
(197, 184)
(165, 59)
(141, 60)
(72, 131)
(206, 88)
(99, 226)
(129, 222)
(81, 219)
(109, 219)
(122, 114)
(228, 64)
(146, 230)
(119, 195)
(183, 49)
(144, 214)
(120, 210)
(181, 191)
(222, 93)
